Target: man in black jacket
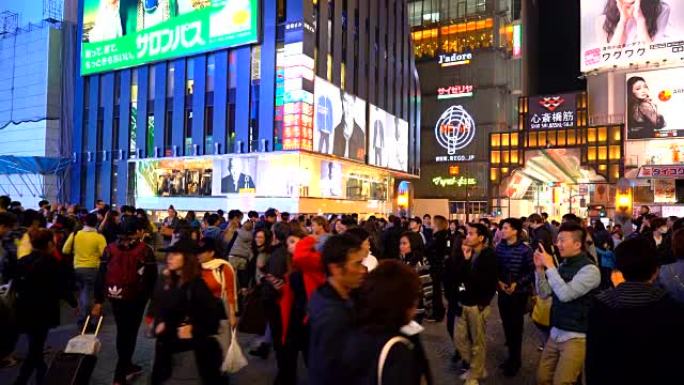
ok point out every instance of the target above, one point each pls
(635, 333)
(330, 309)
(390, 238)
(480, 280)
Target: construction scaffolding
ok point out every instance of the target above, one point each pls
(53, 10)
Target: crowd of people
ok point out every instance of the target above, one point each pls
(350, 295)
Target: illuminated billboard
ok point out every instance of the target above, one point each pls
(654, 103)
(624, 32)
(388, 145)
(125, 33)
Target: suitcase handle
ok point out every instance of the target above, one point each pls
(87, 322)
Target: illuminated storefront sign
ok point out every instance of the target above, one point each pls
(455, 59)
(666, 172)
(454, 181)
(454, 131)
(548, 112)
(456, 91)
(517, 41)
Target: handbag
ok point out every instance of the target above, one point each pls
(541, 313)
(235, 360)
(385, 352)
(253, 319)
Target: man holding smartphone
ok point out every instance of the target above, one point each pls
(571, 286)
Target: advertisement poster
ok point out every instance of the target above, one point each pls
(237, 175)
(339, 123)
(550, 112)
(331, 179)
(641, 152)
(654, 103)
(624, 32)
(664, 191)
(174, 178)
(388, 145)
(124, 33)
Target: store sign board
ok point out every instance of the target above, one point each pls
(454, 131)
(654, 104)
(662, 172)
(454, 181)
(455, 59)
(554, 111)
(455, 91)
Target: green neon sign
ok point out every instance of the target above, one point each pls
(454, 181)
(126, 33)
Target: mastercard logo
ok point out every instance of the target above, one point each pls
(665, 95)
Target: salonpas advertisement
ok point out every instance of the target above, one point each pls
(126, 33)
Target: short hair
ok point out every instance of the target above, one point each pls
(545, 215)
(636, 259)
(440, 222)
(213, 219)
(535, 218)
(658, 222)
(648, 209)
(515, 223)
(359, 233)
(321, 221)
(427, 216)
(349, 222)
(270, 213)
(570, 217)
(232, 214)
(5, 202)
(481, 230)
(386, 296)
(650, 216)
(336, 250)
(281, 231)
(40, 239)
(285, 216)
(678, 244)
(252, 214)
(43, 203)
(8, 219)
(485, 220)
(91, 220)
(578, 232)
(416, 220)
(29, 216)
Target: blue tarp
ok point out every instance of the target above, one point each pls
(10, 164)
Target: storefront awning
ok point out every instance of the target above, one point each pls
(10, 164)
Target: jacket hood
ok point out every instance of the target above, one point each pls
(306, 257)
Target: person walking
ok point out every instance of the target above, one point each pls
(331, 310)
(480, 282)
(641, 313)
(571, 285)
(185, 319)
(515, 266)
(437, 251)
(87, 247)
(412, 253)
(39, 289)
(127, 276)
(385, 347)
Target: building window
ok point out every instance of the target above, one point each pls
(170, 79)
(190, 76)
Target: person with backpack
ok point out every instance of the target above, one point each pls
(127, 276)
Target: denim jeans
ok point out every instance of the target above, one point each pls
(85, 281)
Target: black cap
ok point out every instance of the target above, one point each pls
(182, 246)
(207, 244)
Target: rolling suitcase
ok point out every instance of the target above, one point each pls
(75, 368)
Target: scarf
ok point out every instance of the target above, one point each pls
(215, 266)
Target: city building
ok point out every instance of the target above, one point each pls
(472, 61)
(310, 107)
(33, 117)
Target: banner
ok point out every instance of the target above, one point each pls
(125, 33)
(618, 33)
(654, 103)
(388, 145)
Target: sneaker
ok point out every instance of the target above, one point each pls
(133, 372)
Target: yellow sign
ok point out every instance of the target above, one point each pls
(454, 181)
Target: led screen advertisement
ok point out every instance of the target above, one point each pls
(654, 104)
(388, 138)
(125, 33)
(339, 122)
(624, 32)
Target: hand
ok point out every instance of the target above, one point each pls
(637, 13)
(467, 252)
(233, 321)
(96, 310)
(161, 327)
(502, 286)
(624, 10)
(185, 332)
(511, 288)
(543, 259)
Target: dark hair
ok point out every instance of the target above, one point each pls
(545, 215)
(515, 223)
(29, 217)
(678, 224)
(268, 238)
(191, 216)
(40, 239)
(213, 219)
(678, 243)
(599, 226)
(43, 203)
(296, 231)
(416, 220)
(482, 231)
(252, 214)
(281, 231)
(427, 216)
(232, 214)
(285, 216)
(270, 213)
(576, 230)
(349, 221)
(658, 222)
(191, 269)
(359, 233)
(386, 296)
(486, 221)
(91, 220)
(5, 202)
(535, 218)
(636, 259)
(8, 219)
(336, 250)
(571, 218)
(321, 221)
(416, 243)
(650, 8)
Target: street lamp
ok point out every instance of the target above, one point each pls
(624, 201)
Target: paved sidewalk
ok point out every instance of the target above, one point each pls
(262, 372)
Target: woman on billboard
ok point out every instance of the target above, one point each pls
(632, 21)
(642, 112)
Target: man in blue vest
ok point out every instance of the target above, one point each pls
(571, 285)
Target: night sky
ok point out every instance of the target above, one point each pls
(559, 50)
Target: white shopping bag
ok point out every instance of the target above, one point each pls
(235, 360)
(87, 344)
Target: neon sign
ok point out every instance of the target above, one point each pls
(457, 91)
(454, 181)
(455, 59)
